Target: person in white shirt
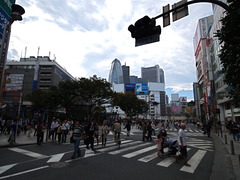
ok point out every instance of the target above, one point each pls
(182, 142)
(65, 130)
(54, 126)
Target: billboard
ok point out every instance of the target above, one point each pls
(130, 88)
(183, 99)
(14, 82)
(141, 89)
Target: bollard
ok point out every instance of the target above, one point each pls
(232, 147)
(225, 136)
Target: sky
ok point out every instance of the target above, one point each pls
(85, 36)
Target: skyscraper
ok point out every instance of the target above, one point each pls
(126, 74)
(116, 72)
(153, 74)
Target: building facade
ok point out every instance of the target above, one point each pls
(153, 74)
(28, 74)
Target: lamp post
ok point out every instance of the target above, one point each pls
(17, 12)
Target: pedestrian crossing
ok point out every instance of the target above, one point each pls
(139, 151)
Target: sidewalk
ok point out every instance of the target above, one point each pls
(21, 139)
(227, 157)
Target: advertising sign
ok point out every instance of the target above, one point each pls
(130, 88)
(141, 89)
(183, 99)
(14, 82)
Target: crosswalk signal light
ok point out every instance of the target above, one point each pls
(145, 31)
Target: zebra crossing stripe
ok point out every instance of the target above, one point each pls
(28, 153)
(5, 168)
(114, 147)
(56, 158)
(149, 157)
(194, 161)
(129, 148)
(135, 153)
(168, 161)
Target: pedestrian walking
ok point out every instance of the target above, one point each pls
(65, 130)
(163, 135)
(128, 127)
(182, 141)
(90, 129)
(78, 134)
(105, 132)
(59, 132)
(149, 131)
(158, 142)
(208, 128)
(144, 131)
(53, 131)
(117, 130)
(40, 133)
(234, 129)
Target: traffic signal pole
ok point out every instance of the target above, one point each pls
(223, 5)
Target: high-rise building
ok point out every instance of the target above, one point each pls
(201, 43)
(153, 74)
(116, 72)
(126, 74)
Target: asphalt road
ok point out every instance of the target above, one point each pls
(134, 160)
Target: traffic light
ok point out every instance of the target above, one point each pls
(145, 31)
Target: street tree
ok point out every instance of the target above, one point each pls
(92, 94)
(130, 104)
(230, 48)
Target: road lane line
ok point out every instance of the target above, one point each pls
(5, 168)
(194, 161)
(24, 172)
(28, 153)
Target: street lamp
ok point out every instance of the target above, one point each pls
(17, 12)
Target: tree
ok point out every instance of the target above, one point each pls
(230, 48)
(93, 93)
(130, 104)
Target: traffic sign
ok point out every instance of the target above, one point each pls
(180, 12)
(166, 17)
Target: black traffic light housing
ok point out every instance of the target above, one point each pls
(145, 31)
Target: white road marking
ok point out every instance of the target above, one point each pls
(166, 162)
(127, 149)
(56, 158)
(135, 153)
(149, 157)
(5, 168)
(194, 161)
(123, 144)
(24, 172)
(28, 153)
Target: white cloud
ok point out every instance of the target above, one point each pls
(85, 36)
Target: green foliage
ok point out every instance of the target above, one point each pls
(130, 104)
(81, 98)
(229, 37)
